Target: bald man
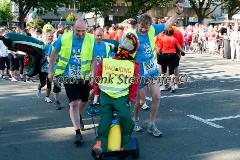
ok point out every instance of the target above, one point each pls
(101, 49)
(75, 69)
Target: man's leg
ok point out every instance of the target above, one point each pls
(139, 102)
(48, 90)
(72, 91)
(126, 122)
(84, 94)
(104, 123)
(154, 89)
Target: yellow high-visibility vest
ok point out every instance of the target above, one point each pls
(113, 73)
(151, 37)
(85, 57)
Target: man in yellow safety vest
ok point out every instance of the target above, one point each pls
(74, 68)
(117, 86)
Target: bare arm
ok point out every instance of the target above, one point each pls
(94, 67)
(173, 19)
(181, 49)
(51, 62)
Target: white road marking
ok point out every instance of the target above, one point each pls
(205, 121)
(194, 94)
(222, 118)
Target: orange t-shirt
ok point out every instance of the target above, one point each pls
(106, 35)
(113, 34)
(166, 44)
(179, 36)
(119, 35)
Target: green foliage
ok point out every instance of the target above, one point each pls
(71, 17)
(204, 8)
(141, 6)
(99, 7)
(232, 7)
(36, 23)
(6, 15)
(26, 5)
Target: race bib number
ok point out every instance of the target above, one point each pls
(45, 67)
(74, 71)
(149, 67)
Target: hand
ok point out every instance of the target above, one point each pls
(91, 82)
(179, 8)
(95, 100)
(183, 53)
(14, 56)
(130, 103)
(50, 76)
(43, 59)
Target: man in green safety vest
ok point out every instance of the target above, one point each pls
(75, 69)
(117, 86)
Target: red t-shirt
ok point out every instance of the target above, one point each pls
(119, 35)
(166, 44)
(179, 36)
(106, 35)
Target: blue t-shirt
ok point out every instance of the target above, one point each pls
(99, 51)
(144, 55)
(45, 65)
(73, 68)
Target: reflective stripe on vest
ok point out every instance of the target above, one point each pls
(151, 37)
(116, 70)
(86, 54)
(107, 49)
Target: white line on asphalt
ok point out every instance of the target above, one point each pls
(193, 94)
(205, 121)
(222, 118)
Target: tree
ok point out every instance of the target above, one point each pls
(35, 23)
(6, 15)
(71, 17)
(141, 6)
(99, 7)
(233, 7)
(26, 5)
(203, 8)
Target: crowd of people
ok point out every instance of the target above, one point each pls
(81, 54)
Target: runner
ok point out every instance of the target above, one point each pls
(76, 63)
(43, 74)
(146, 57)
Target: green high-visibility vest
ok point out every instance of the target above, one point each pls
(85, 57)
(107, 49)
(113, 77)
(151, 37)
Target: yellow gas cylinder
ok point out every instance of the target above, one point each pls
(114, 136)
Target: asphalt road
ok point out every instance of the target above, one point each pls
(201, 121)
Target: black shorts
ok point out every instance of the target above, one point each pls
(43, 77)
(170, 60)
(78, 91)
(14, 64)
(4, 62)
(56, 88)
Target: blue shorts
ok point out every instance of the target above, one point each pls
(145, 80)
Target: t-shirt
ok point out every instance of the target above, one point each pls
(45, 65)
(144, 55)
(99, 51)
(3, 49)
(167, 44)
(73, 68)
(179, 36)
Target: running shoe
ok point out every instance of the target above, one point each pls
(152, 129)
(48, 100)
(145, 106)
(137, 127)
